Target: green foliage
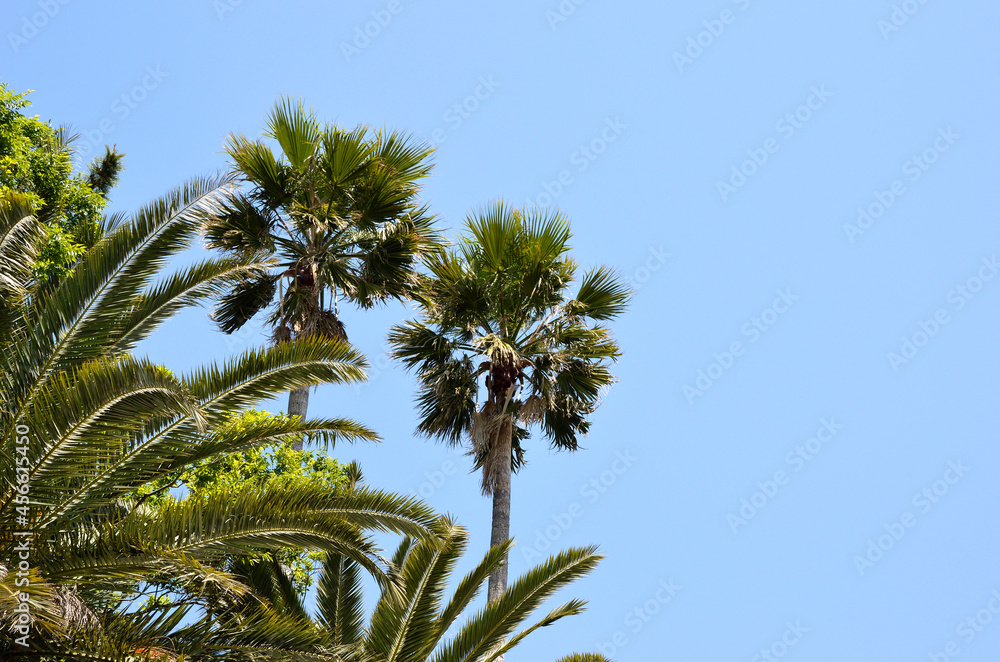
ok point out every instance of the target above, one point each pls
(412, 622)
(57, 251)
(276, 463)
(502, 345)
(86, 426)
(37, 160)
(338, 210)
(273, 465)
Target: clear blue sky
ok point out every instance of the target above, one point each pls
(631, 117)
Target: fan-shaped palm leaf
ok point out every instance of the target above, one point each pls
(501, 346)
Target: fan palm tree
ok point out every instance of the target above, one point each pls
(86, 426)
(412, 621)
(337, 209)
(501, 347)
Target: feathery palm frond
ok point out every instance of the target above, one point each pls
(339, 600)
(86, 427)
(412, 621)
(19, 233)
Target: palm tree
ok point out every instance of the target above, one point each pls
(86, 426)
(412, 620)
(496, 317)
(338, 210)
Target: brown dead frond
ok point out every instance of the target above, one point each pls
(491, 435)
(329, 326)
(281, 334)
(532, 410)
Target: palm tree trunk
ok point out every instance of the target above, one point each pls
(501, 523)
(298, 404)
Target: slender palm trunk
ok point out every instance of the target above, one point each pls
(298, 399)
(298, 404)
(501, 520)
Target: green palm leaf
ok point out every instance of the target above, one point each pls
(339, 600)
(86, 428)
(19, 231)
(409, 622)
(481, 638)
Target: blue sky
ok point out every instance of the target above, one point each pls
(804, 196)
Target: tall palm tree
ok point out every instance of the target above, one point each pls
(86, 426)
(501, 347)
(411, 622)
(338, 210)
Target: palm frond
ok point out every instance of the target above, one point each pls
(483, 635)
(602, 295)
(339, 600)
(255, 162)
(405, 624)
(295, 129)
(247, 298)
(241, 227)
(19, 233)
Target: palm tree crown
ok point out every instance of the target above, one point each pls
(501, 347)
(337, 210)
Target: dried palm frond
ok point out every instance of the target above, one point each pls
(59, 612)
(491, 447)
(329, 326)
(281, 334)
(479, 430)
(76, 616)
(532, 410)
